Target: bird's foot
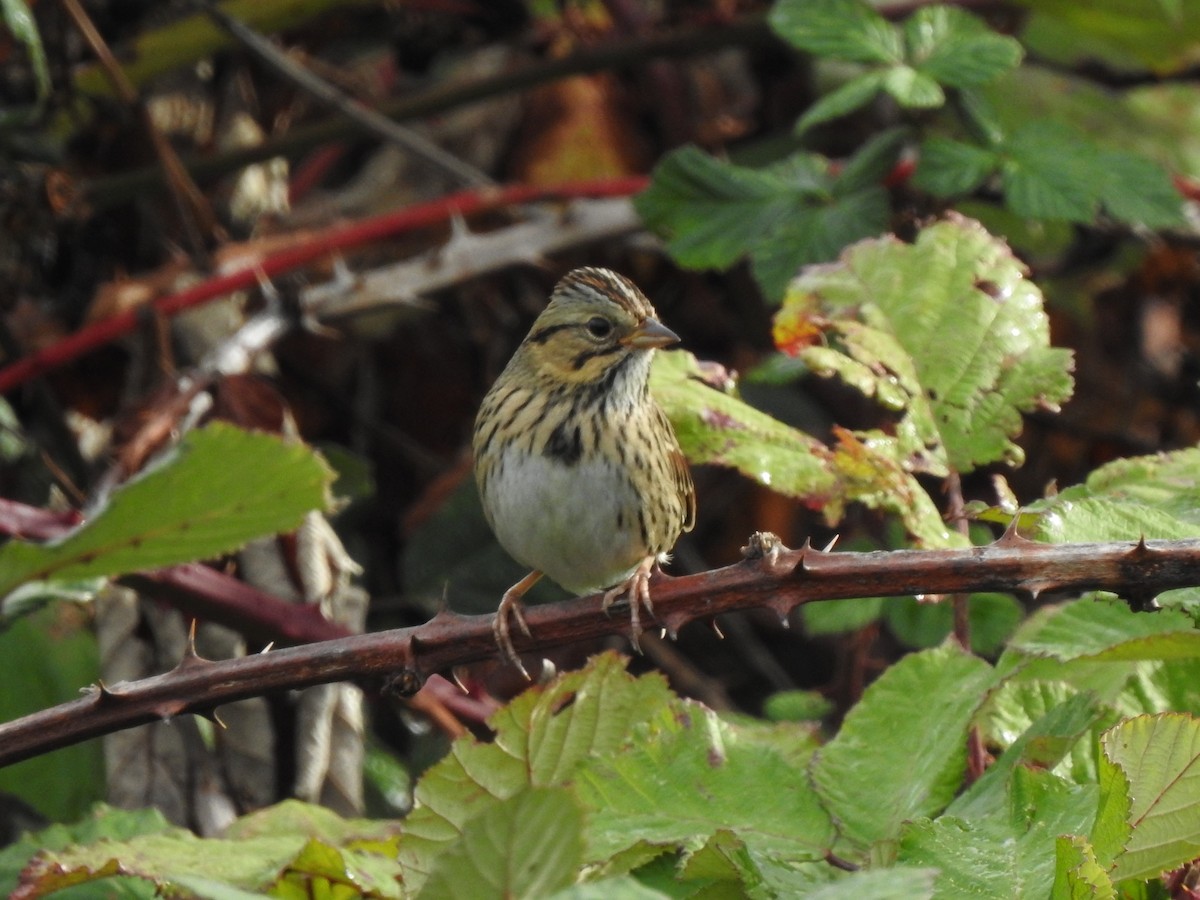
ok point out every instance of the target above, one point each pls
(511, 606)
(636, 589)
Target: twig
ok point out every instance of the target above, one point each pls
(343, 103)
(958, 519)
(469, 255)
(439, 98)
(780, 581)
(314, 247)
(192, 203)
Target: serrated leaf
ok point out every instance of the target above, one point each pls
(528, 845)
(249, 859)
(947, 167)
(1139, 191)
(221, 488)
(924, 704)
(949, 329)
(845, 99)
(955, 48)
(912, 88)
(1052, 172)
(891, 883)
(715, 213)
(1155, 497)
(541, 738)
(844, 29)
(1160, 757)
(1043, 744)
(688, 775)
(1077, 874)
(1008, 856)
(717, 428)
(1106, 629)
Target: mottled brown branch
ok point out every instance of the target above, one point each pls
(770, 577)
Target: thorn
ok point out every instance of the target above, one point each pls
(1012, 534)
(833, 541)
(662, 634)
(217, 718)
(716, 629)
(457, 674)
(548, 671)
(673, 623)
(1142, 602)
(191, 642)
(104, 694)
(783, 609)
(267, 649)
(1142, 550)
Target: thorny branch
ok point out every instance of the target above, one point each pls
(770, 576)
(308, 248)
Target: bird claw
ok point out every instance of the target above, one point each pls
(636, 590)
(510, 605)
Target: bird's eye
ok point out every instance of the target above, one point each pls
(599, 327)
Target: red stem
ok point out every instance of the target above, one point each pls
(423, 215)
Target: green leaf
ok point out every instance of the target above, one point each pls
(924, 705)
(1046, 742)
(854, 94)
(717, 428)
(20, 23)
(102, 823)
(844, 29)
(526, 846)
(891, 883)
(840, 616)
(1007, 855)
(1139, 191)
(714, 213)
(913, 89)
(541, 739)
(992, 618)
(1160, 757)
(956, 49)
(1052, 172)
(1155, 496)
(948, 167)
(1077, 874)
(1161, 36)
(714, 427)
(1106, 630)
(50, 654)
(252, 855)
(948, 329)
(688, 774)
(221, 488)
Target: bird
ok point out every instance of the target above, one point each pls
(579, 471)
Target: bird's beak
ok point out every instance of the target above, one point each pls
(651, 333)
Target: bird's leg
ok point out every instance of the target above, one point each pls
(510, 605)
(637, 589)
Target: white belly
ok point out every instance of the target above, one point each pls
(565, 521)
